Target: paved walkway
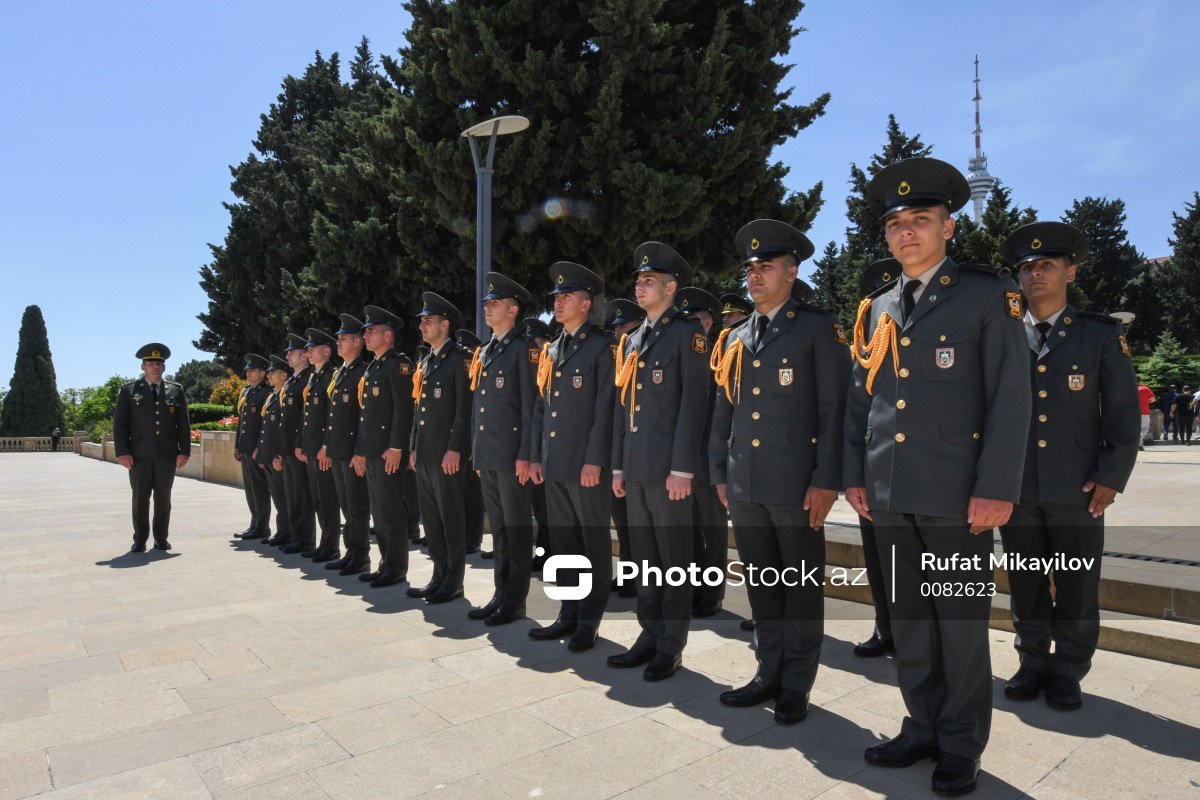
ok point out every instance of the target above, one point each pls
(225, 670)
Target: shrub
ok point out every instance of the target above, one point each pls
(208, 412)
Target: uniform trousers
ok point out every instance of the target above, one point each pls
(413, 499)
(300, 499)
(354, 497)
(444, 520)
(660, 536)
(151, 477)
(322, 488)
(510, 519)
(710, 540)
(542, 538)
(788, 599)
(943, 663)
(277, 489)
(258, 496)
(883, 621)
(578, 519)
(387, 508)
(473, 506)
(1071, 618)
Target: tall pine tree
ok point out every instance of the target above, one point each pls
(983, 242)
(32, 406)
(1112, 262)
(1176, 283)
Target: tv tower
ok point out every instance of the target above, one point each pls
(977, 176)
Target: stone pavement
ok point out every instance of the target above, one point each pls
(227, 670)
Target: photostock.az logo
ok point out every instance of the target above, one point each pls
(566, 562)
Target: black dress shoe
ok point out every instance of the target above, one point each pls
(354, 565)
(423, 591)
(627, 590)
(584, 638)
(489, 554)
(341, 562)
(472, 548)
(484, 611)
(242, 534)
(954, 775)
(163, 545)
(791, 707)
(1062, 693)
(387, 578)
(633, 657)
(310, 551)
(138, 547)
(323, 555)
(295, 547)
(874, 647)
(255, 535)
(505, 614)
(439, 597)
(367, 577)
(555, 630)
(706, 609)
(899, 752)
(1025, 685)
(419, 541)
(662, 666)
(754, 693)
(747, 624)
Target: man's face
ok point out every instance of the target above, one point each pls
(655, 290)
(571, 308)
(379, 338)
(917, 237)
(770, 281)
(319, 354)
(349, 345)
(705, 318)
(627, 327)
(434, 329)
(255, 375)
(500, 314)
(153, 370)
(297, 359)
(731, 318)
(1046, 278)
(277, 378)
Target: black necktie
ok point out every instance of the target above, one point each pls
(1043, 330)
(761, 331)
(909, 300)
(645, 338)
(490, 348)
(154, 389)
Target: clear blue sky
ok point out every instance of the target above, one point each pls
(120, 121)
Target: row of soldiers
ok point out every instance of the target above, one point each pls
(960, 408)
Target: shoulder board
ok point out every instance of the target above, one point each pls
(739, 323)
(130, 383)
(882, 290)
(813, 309)
(1099, 317)
(986, 269)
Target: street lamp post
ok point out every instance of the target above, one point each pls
(491, 128)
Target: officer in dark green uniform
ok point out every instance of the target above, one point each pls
(710, 537)
(572, 438)
(663, 383)
(272, 449)
(625, 316)
(152, 437)
(321, 484)
(385, 394)
(254, 480)
(936, 422)
(503, 373)
(776, 458)
(734, 309)
(468, 343)
(441, 446)
(300, 499)
(536, 334)
(341, 436)
(1083, 443)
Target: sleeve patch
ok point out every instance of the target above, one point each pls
(839, 334)
(534, 355)
(1014, 305)
(614, 350)
(406, 369)
(1124, 345)
(699, 343)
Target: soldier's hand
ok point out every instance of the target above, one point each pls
(522, 472)
(412, 461)
(277, 463)
(237, 454)
(359, 463)
(180, 461)
(254, 455)
(983, 513)
(817, 503)
(589, 476)
(125, 461)
(450, 462)
(619, 485)
(1102, 497)
(393, 460)
(856, 496)
(722, 495)
(300, 455)
(678, 488)
(323, 460)
(535, 473)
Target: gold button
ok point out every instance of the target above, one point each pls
(423, 395)
(1041, 442)
(481, 409)
(756, 390)
(422, 422)
(556, 392)
(754, 443)
(639, 386)
(899, 437)
(1042, 418)
(485, 373)
(633, 429)
(483, 391)
(552, 434)
(1041, 367)
(1042, 393)
(637, 408)
(558, 374)
(942, 338)
(755, 415)
(900, 404)
(641, 363)
(554, 413)
(905, 342)
(814, 440)
(904, 372)
(422, 408)
(757, 363)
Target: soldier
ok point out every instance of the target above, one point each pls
(734, 309)
(300, 498)
(321, 484)
(272, 448)
(385, 393)
(153, 437)
(468, 343)
(663, 383)
(627, 315)
(572, 437)
(249, 426)
(936, 421)
(879, 274)
(537, 333)
(341, 437)
(440, 447)
(710, 537)
(1082, 448)
(503, 374)
(776, 457)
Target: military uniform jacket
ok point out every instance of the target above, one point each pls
(341, 424)
(572, 423)
(952, 424)
(386, 405)
(670, 405)
(502, 411)
(1086, 417)
(145, 429)
(250, 417)
(443, 411)
(316, 410)
(273, 438)
(293, 407)
(783, 431)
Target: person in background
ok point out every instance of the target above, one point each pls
(1185, 415)
(1166, 404)
(1145, 400)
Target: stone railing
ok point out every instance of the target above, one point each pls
(39, 444)
(211, 459)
